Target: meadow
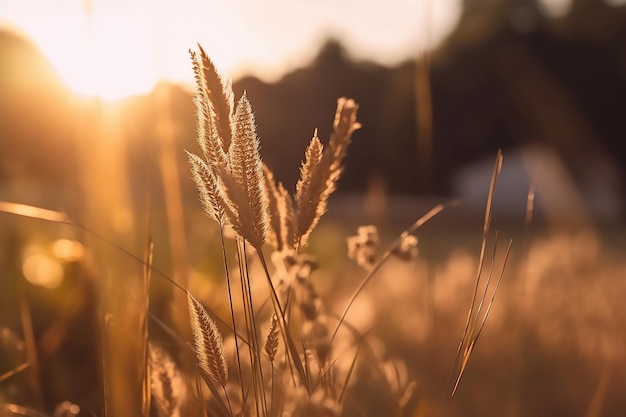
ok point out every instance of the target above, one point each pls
(247, 298)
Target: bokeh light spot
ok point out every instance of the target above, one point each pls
(67, 250)
(43, 270)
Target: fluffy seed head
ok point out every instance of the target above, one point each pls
(209, 346)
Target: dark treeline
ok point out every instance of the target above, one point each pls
(507, 76)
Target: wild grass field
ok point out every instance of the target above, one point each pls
(251, 300)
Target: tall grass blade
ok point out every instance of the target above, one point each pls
(468, 340)
(290, 344)
(34, 374)
(143, 325)
(471, 344)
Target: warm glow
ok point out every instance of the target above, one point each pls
(97, 51)
(113, 48)
(67, 250)
(41, 269)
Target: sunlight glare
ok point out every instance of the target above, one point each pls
(118, 62)
(113, 49)
(99, 51)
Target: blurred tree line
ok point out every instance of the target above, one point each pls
(508, 75)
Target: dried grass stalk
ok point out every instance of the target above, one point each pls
(166, 384)
(281, 233)
(220, 94)
(319, 175)
(210, 138)
(274, 219)
(247, 170)
(208, 187)
(237, 209)
(310, 189)
(230, 179)
(209, 346)
(271, 343)
(343, 126)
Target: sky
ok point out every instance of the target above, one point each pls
(116, 48)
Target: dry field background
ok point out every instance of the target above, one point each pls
(553, 343)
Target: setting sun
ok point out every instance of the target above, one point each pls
(113, 49)
(115, 62)
(97, 51)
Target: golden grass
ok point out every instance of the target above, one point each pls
(310, 358)
(241, 193)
